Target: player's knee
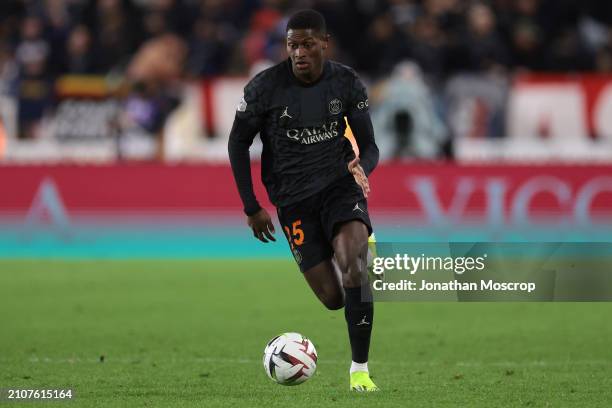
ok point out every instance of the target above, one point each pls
(348, 261)
(342, 261)
(352, 268)
(352, 279)
(351, 260)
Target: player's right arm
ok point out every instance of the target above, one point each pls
(247, 123)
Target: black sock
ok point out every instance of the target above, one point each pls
(359, 319)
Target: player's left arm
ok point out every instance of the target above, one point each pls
(358, 117)
(363, 131)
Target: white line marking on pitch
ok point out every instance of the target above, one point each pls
(214, 360)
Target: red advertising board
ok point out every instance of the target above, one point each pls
(495, 193)
(432, 193)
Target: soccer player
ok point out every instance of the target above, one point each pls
(312, 175)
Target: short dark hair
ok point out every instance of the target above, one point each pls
(305, 19)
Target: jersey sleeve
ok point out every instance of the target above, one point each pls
(358, 118)
(252, 105)
(247, 123)
(358, 97)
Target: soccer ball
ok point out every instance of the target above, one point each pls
(290, 359)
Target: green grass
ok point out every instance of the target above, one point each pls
(183, 334)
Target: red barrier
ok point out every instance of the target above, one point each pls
(434, 192)
(125, 187)
(397, 185)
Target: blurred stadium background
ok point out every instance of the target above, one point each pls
(494, 119)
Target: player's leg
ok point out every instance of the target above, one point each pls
(312, 251)
(346, 221)
(325, 281)
(350, 245)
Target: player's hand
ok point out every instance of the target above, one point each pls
(262, 225)
(360, 176)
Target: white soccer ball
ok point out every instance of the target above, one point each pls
(290, 359)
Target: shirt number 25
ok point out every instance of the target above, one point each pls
(295, 236)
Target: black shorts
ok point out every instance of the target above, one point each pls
(311, 224)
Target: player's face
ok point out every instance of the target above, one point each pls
(305, 48)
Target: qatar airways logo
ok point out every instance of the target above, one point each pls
(314, 134)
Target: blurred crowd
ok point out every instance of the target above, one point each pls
(458, 49)
(51, 37)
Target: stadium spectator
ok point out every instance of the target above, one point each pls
(33, 46)
(153, 74)
(34, 87)
(116, 29)
(8, 71)
(428, 46)
(173, 15)
(381, 47)
(527, 47)
(209, 48)
(154, 23)
(57, 22)
(483, 47)
(405, 120)
(263, 22)
(80, 58)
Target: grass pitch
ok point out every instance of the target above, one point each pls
(192, 333)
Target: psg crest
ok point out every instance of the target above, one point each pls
(335, 106)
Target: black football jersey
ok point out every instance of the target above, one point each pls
(302, 127)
